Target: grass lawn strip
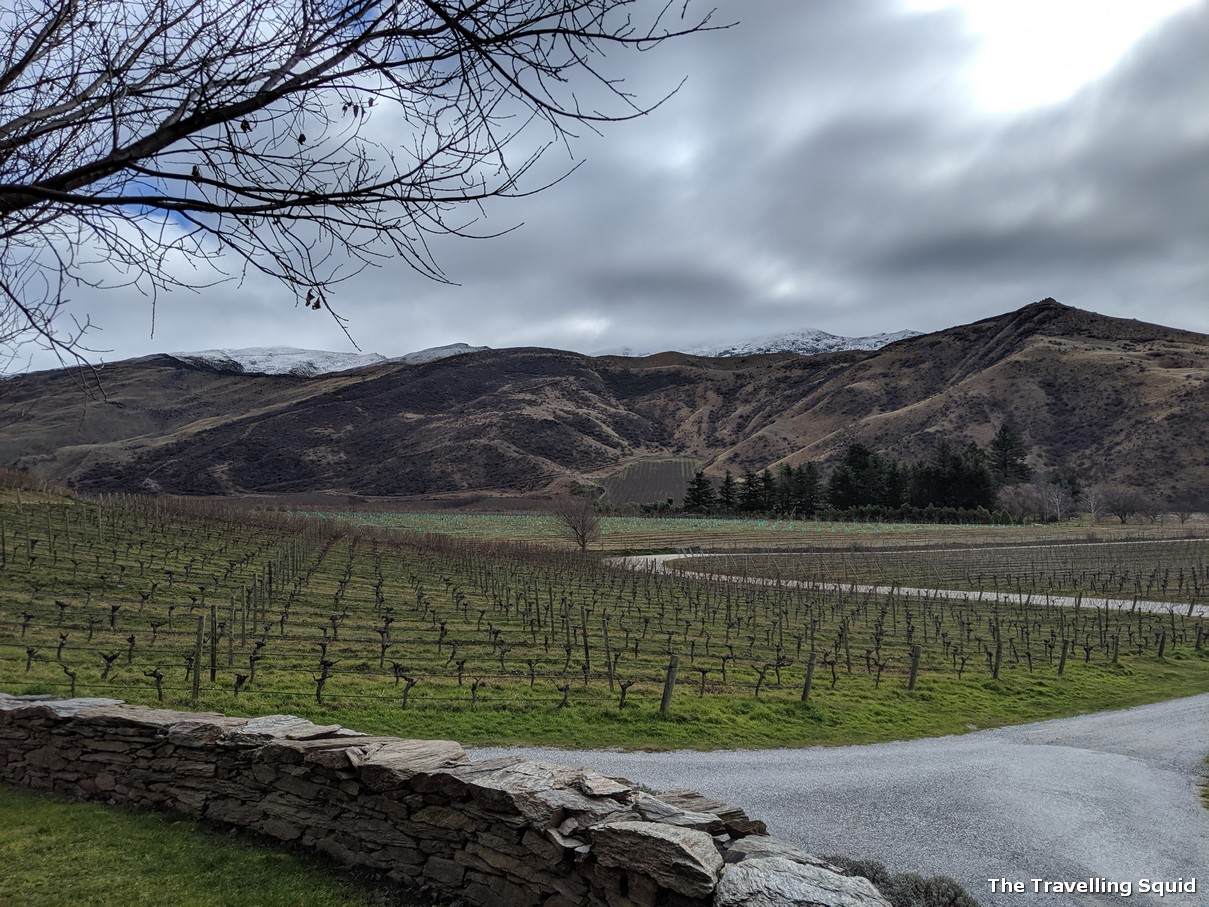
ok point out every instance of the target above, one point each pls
(57, 852)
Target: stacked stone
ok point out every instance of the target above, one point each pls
(497, 832)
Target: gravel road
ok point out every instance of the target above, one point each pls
(1112, 795)
(662, 562)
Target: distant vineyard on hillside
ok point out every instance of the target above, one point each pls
(650, 480)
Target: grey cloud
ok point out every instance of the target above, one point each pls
(819, 168)
(1094, 192)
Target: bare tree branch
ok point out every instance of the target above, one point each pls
(302, 139)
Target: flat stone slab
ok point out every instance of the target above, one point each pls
(656, 809)
(203, 731)
(682, 859)
(387, 765)
(284, 727)
(755, 847)
(63, 708)
(779, 882)
(736, 821)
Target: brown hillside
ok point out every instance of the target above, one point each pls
(1118, 400)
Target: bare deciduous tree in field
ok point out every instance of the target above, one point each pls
(1021, 502)
(159, 144)
(1123, 502)
(1093, 502)
(1056, 501)
(577, 518)
(1185, 504)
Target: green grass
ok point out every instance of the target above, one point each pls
(854, 712)
(625, 534)
(1205, 785)
(57, 852)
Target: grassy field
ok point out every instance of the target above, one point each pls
(55, 852)
(487, 642)
(628, 534)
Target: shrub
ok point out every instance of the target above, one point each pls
(906, 889)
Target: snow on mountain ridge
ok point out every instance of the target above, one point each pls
(434, 353)
(288, 360)
(806, 342)
(279, 360)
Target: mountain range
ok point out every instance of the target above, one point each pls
(1118, 401)
(288, 360)
(808, 342)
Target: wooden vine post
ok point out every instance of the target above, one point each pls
(197, 654)
(809, 678)
(213, 642)
(915, 665)
(669, 684)
(608, 652)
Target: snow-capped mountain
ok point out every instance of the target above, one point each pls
(805, 343)
(279, 360)
(288, 360)
(439, 352)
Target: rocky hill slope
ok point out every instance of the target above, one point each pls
(1120, 401)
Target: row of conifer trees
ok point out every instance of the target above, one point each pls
(871, 484)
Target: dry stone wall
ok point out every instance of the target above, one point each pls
(495, 832)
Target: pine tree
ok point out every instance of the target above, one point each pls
(978, 485)
(858, 480)
(783, 498)
(700, 496)
(895, 484)
(807, 490)
(951, 479)
(749, 494)
(768, 491)
(728, 494)
(1007, 457)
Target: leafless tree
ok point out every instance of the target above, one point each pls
(1123, 502)
(161, 144)
(1092, 501)
(1056, 500)
(1152, 509)
(1021, 502)
(578, 518)
(1185, 504)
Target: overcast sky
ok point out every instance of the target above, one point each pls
(856, 166)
